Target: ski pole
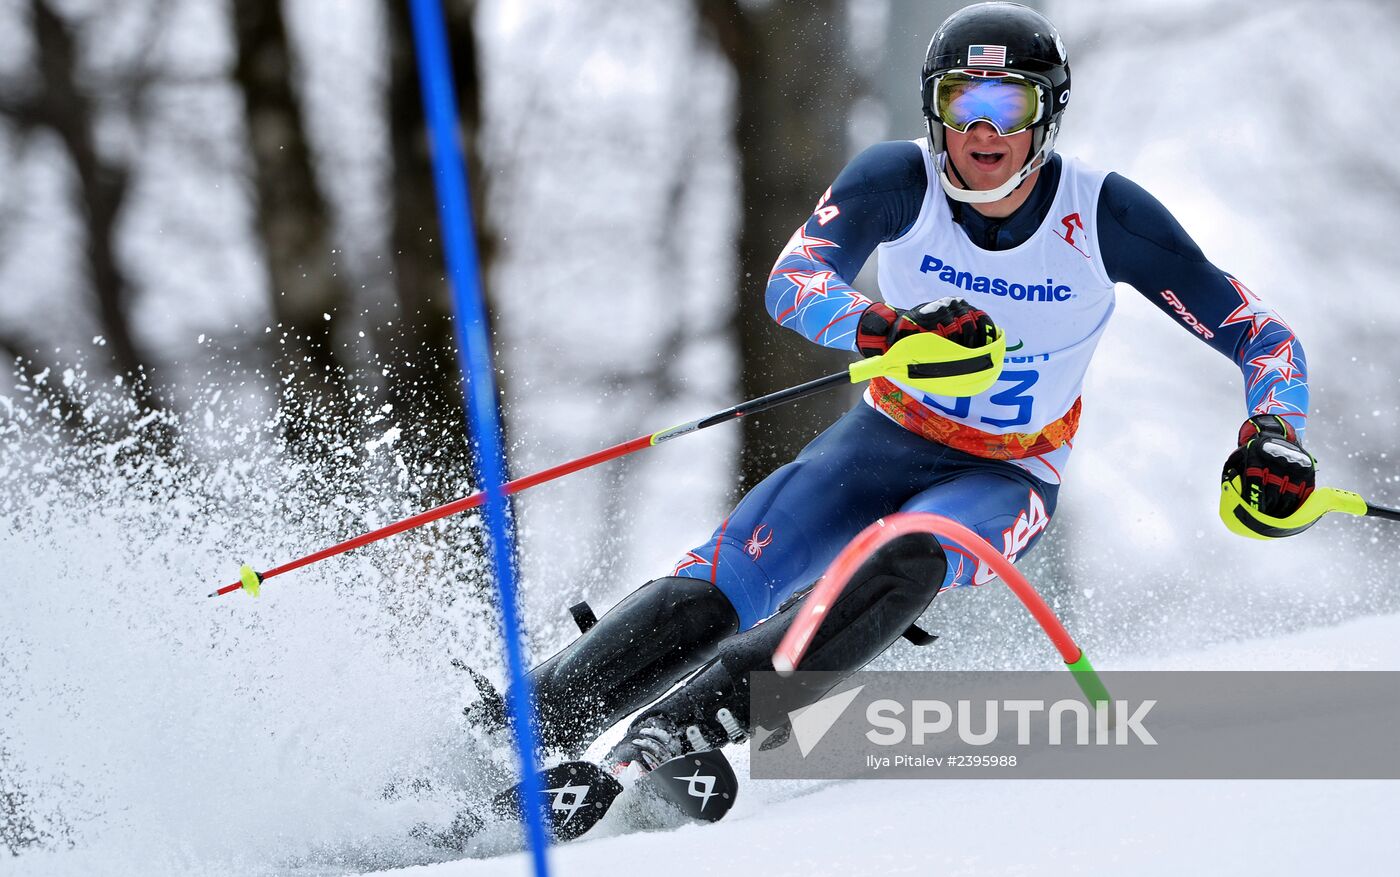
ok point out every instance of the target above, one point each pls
(1247, 521)
(816, 604)
(926, 361)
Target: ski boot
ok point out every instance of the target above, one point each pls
(647, 745)
(677, 767)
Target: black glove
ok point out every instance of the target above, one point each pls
(954, 319)
(1275, 473)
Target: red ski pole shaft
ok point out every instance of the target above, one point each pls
(451, 508)
(928, 361)
(752, 406)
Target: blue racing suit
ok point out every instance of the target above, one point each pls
(889, 453)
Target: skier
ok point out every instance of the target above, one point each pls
(980, 225)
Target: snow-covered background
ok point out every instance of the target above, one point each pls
(147, 730)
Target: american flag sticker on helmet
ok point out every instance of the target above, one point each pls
(986, 56)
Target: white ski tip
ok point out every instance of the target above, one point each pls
(782, 665)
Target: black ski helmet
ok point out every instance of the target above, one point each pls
(1033, 49)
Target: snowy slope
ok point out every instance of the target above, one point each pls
(1037, 827)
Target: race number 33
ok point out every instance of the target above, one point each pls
(1015, 398)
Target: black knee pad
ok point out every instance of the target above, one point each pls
(886, 594)
(641, 647)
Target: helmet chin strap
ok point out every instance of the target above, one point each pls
(987, 196)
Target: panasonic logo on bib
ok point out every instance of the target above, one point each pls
(1047, 291)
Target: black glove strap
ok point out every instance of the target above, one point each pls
(1269, 426)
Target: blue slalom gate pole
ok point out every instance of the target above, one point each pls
(483, 415)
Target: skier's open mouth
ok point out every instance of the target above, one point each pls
(987, 160)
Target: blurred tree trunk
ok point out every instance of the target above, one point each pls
(794, 93)
(294, 224)
(60, 104)
(419, 348)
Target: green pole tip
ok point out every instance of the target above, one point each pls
(252, 581)
(1089, 682)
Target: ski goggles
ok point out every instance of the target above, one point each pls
(1008, 102)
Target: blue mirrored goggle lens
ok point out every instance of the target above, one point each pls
(1010, 105)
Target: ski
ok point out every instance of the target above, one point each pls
(578, 794)
(702, 785)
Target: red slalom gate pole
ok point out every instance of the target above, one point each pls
(814, 608)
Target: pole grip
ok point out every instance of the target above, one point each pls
(1243, 520)
(935, 364)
